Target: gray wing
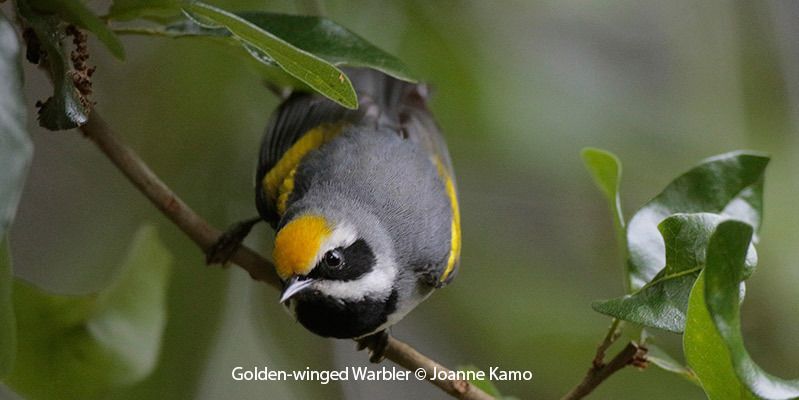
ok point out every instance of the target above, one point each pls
(297, 115)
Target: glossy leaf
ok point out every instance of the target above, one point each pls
(66, 108)
(329, 41)
(663, 302)
(724, 271)
(316, 35)
(661, 359)
(82, 346)
(730, 184)
(124, 10)
(706, 353)
(318, 74)
(75, 12)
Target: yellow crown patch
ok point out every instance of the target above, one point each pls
(297, 244)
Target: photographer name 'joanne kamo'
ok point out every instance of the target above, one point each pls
(494, 374)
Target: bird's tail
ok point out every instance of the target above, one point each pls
(385, 98)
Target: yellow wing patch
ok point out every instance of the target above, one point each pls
(455, 238)
(279, 181)
(297, 245)
(285, 191)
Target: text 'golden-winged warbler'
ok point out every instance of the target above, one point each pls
(364, 206)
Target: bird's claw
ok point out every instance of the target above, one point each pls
(377, 343)
(230, 241)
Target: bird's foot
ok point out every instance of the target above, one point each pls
(230, 241)
(377, 343)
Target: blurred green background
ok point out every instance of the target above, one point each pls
(520, 88)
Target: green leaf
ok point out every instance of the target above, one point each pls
(75, 12)
(663, 302)
(329, 41)
(124, 10)
(313, 71)
(79, 347)
(730, 184)
(319, 36)
(725, 270)
(67, 108)
(605, 169)
(706, 353)
(661, 359)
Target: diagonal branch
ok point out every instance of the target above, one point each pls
(632, 354)
(204, 235)
(193, 225)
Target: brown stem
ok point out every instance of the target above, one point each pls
(204, 235)
(613, 334)
(406, 356)
(632, 354)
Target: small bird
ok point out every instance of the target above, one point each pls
(364, 205)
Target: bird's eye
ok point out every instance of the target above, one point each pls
(333, 258)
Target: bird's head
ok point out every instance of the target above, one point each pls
(320, 255)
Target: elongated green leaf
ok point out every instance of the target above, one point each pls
(605, 168)
(316, 35)
(729, 184)
(663, 360)
(706, 353)
(124, 10)
(15, 155)
(329, 41)
(318, 74)
(319, 36)
(75, 12)
(78, 347)
(663, 302)
(724, 271)
(67, 108)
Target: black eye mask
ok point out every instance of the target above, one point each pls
(345, 264)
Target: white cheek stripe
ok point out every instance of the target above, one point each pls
(376, 284)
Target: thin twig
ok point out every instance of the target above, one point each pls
(632, 354)
(406, 356)
(204, 235)
(613, 334)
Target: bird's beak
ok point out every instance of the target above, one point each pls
(294, 286)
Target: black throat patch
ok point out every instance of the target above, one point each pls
(330, 317)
